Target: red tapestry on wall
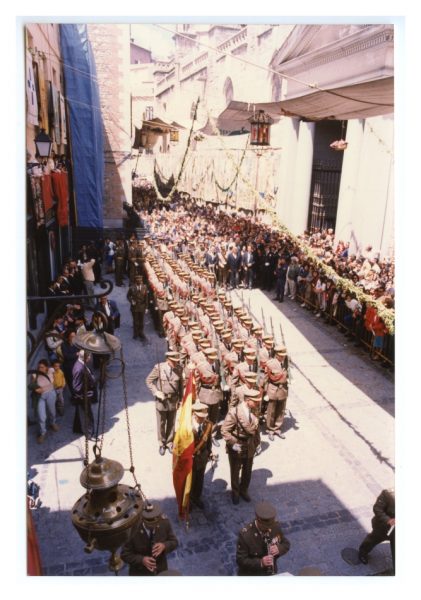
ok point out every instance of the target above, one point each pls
(47, 192)
(61, 192)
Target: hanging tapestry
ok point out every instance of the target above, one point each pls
(31, 93)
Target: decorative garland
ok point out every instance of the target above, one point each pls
(162, 177)
(183, 162)
(164, 187)
(237, 170)
(386, 314)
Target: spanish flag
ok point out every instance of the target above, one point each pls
(183, 450)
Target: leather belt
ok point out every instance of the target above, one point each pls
(208, 387)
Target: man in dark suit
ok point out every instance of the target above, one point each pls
(109, 309)
(83, 381)
(150, 542)
(234, 263)
(383, 524)
(248, 267)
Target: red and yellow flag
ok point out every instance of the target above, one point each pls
(183, 450)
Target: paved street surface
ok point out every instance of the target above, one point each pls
(337, 455)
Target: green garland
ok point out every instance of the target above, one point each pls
(237, 171)
(176, 182)
(386, 314)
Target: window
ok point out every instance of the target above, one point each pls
(149, 113)
(228, 90)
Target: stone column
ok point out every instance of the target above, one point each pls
(300, 197)
(348, 187)
(285, 134)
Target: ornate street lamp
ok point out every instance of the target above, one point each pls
(260, 128)
(174, 136)
(43, 144)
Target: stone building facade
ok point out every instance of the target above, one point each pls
(111, 48)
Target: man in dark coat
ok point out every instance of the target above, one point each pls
(383, 524)
(261, 543)
(83, 381)
(138, 298)
(109, 309)
(150, 542)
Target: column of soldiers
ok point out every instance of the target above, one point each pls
(241, 373)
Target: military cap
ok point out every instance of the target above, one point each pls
(200, 409)
(172, 303)
(238, 343)
(246, 319)
(193, 324)
(151, 512)
(173, 355)
(253, 395)
(226, 334)
(219, 323)
(196, 334)
(280, 350)
(227, 302)
(184, 317)
(267, 338)
(238, 309)
(211, 353)
(204, 341)
(256, 329)
(251, 376)
(249, 351)
(179, 311)
(195, 297)
(265, 511)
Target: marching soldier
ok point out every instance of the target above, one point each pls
(165, 383)
(119, 258)
(133, 257)
(250, 383)
(202, 431)
(276, 390)
(138, 298)
(210, 383)
(261, 543)
(240, 431)
(230, 361)
(248, 365)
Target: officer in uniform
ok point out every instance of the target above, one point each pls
(261, 543)
(383, 524)
(202, 431)
(119, 258)
(133, 260)
(240, 431)
(165, 382)
(276, 389)
(138, 298)
(250, 383)
(210, 383)
(152, 538)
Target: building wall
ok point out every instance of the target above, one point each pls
(42, 41)
(111, 49)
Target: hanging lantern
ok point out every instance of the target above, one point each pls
(260, 128)
(43, 144)
(105, 515)
(174, 136)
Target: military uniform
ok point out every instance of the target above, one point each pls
(240, 431)
(138, 298)
(256, 541)
(276, 389)
(210, 392)
(165, 378)
(202, 448)
(384, 510)
(147, 533)
(119, 258)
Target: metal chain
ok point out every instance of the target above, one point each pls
(104, 404)
(85, 398)
(126, 409)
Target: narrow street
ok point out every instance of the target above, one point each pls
(337, 455)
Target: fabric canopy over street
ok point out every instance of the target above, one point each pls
(359, 101)
(158, 125)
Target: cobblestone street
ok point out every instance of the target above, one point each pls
(337, 455)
